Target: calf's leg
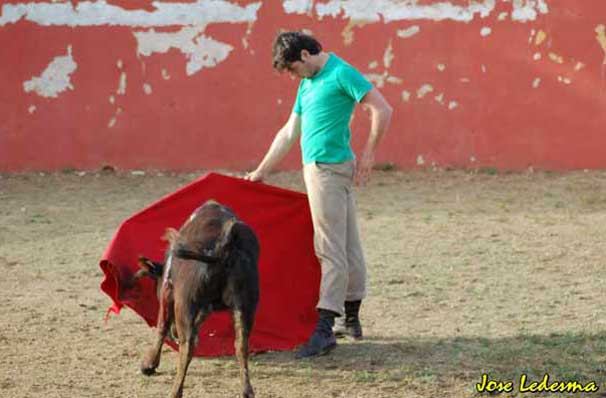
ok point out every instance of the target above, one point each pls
(243, 322)
(187, 329)
(151, 360)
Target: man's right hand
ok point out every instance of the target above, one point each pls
(254, 176)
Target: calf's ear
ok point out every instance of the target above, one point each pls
(171, 235)
(227, 235)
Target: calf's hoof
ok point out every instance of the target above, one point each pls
(178, 393)
(148, 370)
(150, 362)
(248, 392)
(148, 367)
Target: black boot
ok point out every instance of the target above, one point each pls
(349, 325)
(323, 340)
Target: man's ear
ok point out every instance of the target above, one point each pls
(305, 55)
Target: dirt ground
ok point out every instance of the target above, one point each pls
(470, 273)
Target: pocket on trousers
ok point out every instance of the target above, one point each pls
(345, 169)
(325, 167)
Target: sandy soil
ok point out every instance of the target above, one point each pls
(469, 273)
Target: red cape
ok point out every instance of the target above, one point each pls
(289, 271)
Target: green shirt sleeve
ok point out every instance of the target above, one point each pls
(353, 82)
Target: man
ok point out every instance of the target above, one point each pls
(327, 94)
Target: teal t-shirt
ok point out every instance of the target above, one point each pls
(325, 103)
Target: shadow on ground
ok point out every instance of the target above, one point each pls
(440, 361)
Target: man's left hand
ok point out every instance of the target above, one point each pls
(364, 168)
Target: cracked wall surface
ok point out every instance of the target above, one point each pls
(186, 85)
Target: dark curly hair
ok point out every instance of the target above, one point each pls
(287, 48)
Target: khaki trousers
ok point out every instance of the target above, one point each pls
(336, 236)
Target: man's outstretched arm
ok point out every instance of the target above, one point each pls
(380, 116)
(280, 146)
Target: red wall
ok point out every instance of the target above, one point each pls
(225, 116)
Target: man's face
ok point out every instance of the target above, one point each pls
(304, 68)
(299, 69)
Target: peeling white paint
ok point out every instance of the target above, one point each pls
(147, 88)
(453, 105)
(424, 90)
(373, 65)
(280, 101)
(379, 80)
(441, 67)
(388, 55)
(245, 38)
(119, 64)
(532, 34)
(32, 109)
(537, 56)
(394, 10)
(398, 10)
(122, 86)
(483, 68)
(600, 31)
(564, 80)
(114, 119)
(406, 96)
(464, 80)
(56, 77)
(536, 83)
(440, 98)
(420, 160)
(558, 59)
(486, 31)
(503, 16)
(407, 33)
(540, 38)
(348, 32)
(99, 13)
(528, 10)
(165, 74)
(112, 99)
(298, 6)
(579, 66)
(201, 51)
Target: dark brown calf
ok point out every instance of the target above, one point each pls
(211, 265)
